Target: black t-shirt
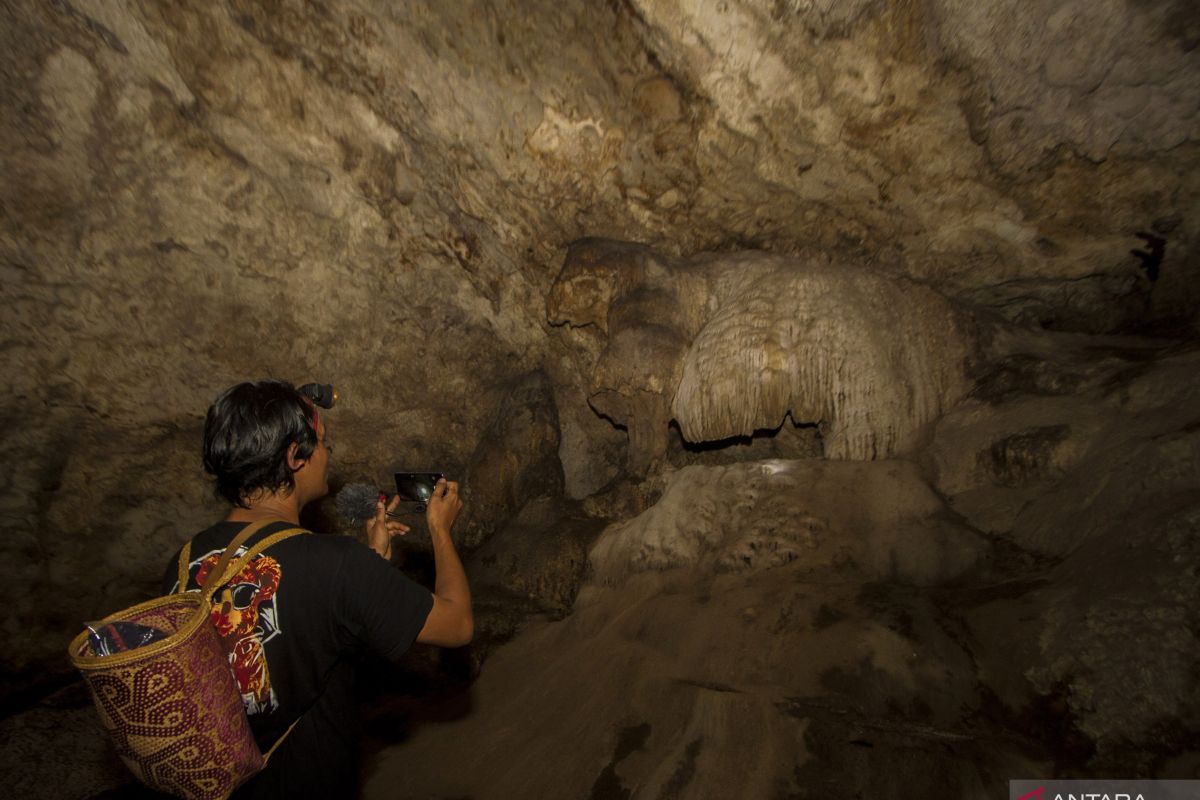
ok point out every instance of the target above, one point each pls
(293, 622)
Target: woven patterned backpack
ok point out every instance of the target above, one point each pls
(172, 707)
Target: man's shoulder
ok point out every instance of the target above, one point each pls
(324, 560)
(326, 549)
(319, 552)
(322, 546)
(329, 554)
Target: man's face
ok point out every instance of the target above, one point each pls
(313, 477)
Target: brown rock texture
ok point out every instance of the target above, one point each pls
(791, 627)
(725, 345)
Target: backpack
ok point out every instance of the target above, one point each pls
(172, 707)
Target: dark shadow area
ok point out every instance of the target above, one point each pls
(788, 440)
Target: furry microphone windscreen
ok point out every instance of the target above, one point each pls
(356, 502)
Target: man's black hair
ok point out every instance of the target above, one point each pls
(247, 434)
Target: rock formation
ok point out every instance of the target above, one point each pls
(726, 345)
(784, 628)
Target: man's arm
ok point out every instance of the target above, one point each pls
(450, 623)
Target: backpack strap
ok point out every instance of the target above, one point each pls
(279, 741)
(185, 556)
(217, 576)
(245, 558)
(224, 570)
(185, 553)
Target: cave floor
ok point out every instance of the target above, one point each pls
(667, 687)
(678, 685)
(689, 684)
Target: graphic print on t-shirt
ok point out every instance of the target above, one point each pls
(246, 618)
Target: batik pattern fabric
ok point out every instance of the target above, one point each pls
(171, 708)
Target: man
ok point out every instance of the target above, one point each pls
(295, 618)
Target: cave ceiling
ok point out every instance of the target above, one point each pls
(376, 192)
(1008, 153)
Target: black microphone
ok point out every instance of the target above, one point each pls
(356, 503)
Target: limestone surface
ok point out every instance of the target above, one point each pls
(727, 345)
(780, 628)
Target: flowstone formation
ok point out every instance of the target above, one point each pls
(874, 520)
(729, 344)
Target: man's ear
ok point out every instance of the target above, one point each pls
(295, 464)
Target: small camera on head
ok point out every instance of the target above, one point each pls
(324, 395)
(417, 487)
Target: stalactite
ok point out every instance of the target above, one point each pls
(878, 358)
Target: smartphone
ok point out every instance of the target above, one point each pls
(417, 487)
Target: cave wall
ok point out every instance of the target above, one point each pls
(380, 195)
(1018, 598)
(1007, 151)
